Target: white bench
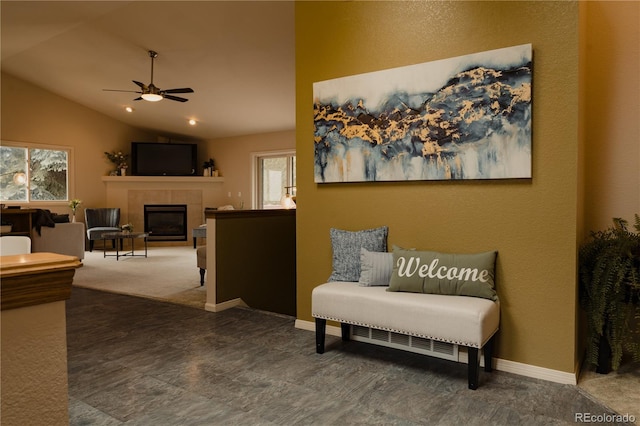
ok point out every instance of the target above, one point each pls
(460, 320)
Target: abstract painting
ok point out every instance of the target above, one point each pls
(467, 117)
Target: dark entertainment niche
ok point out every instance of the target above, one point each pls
(163, 159)
(166, 222)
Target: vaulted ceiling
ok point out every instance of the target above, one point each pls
(238, 56)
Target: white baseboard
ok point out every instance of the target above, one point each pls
(311, 326)
(507, 366)
(536, 372)
(219, 307)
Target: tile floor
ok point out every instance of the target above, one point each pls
(136, 361)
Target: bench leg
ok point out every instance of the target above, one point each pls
(202, 276)
(345, 329)
(321, 327)
(474, 368)
(488, 355)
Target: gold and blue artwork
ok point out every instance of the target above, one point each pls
(467, 117)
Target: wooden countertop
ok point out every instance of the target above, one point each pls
(35, 278)
(221, 214)
(19, 211)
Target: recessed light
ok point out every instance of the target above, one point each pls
(192, 122)
(128, 109)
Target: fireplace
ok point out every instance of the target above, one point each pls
(166, 222)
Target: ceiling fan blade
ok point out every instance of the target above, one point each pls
(183, 90)
(139, 98)
(141, 85)
(175, 98)
(116, 90)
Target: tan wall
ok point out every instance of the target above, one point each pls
(532, 223)
(34, 365)
(612, 125)
(232, 157)
(31, 114)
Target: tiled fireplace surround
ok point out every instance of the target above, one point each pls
(137, 199)
(132, 193)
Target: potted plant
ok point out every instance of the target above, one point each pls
(609, 272)
(119, 160)
(74, 204)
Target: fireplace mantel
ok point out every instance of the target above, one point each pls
(163, 179)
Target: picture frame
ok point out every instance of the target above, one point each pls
(467, 117)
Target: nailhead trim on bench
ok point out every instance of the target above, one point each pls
(424, 336)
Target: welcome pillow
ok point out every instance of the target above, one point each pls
(346, 247)
(444, 273)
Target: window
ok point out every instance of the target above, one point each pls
(31, 173)
(275, 175)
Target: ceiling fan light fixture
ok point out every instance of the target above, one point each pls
(152, 93)
(151, 97)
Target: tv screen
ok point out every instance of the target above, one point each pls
(163, 159)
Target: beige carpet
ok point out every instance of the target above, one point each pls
(619, 390)
(167, 273)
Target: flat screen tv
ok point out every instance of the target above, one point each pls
(163, 159)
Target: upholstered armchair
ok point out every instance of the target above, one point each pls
(14, 244)
(99, 221)
(201, 260)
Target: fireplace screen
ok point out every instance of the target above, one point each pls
(166, 222)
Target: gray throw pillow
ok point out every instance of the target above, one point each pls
(444, 273)
(346, 247)
(375, 268)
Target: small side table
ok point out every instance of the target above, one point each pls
(199, 232)
(122, 236)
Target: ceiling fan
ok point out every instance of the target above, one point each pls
(152, 93)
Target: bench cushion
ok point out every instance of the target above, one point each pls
(461, 320)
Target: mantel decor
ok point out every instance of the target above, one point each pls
(467, 117)
(120, 161)
(209, 168)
